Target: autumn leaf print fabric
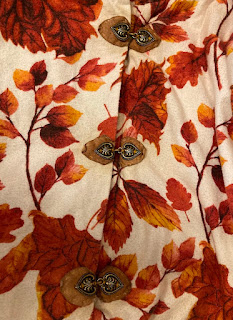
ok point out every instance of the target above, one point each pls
(165, 222)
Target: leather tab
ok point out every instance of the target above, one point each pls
(133, 152)
(78, 287)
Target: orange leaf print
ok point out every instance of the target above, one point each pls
(45, 26)
(148, 278)
(64, 93)
(44, 96)
(63, 116)
(211, 287)
(127, 264)
(118, 223)
(108, 127)
(73, 174)
(140, 298)
(182, 155)
(24, 80)
(72, 59)
(142, 100)
(56, 137)
(8, 102)
(2, 151)
(150, 206)
(178, 195)
(206, 116)
(39, 72)
(180, 10)
(8, 130)
(179, 285)
(159, 308)
(13, 265)
(222, 1)
(10, 219)
(171, 33)
(64, 162)
(45, 179)
(189, 132)
(220, 137)
(90, 74)
(170, 255)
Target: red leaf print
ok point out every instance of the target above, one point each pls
(45, 26)
(108, 127)
(212, 216)
(56, 137)
(8, 102)
(215, 296)
(170, 255)
(64, 162)
(223, 209)
(102, 211)
(118, 223)
(13, 265)
(63, 116)
(2, 151)
(10, 219)
(148, 278)
(159, 308)
(73, 174)
(187, 66)
(182, 155)
(186, 249)
(1, 185)
(218, 177)
(171, 33)
(227, 224)
(104, 260)
(180, 10)
(150, 206)
(178, 195)
(45, 179)
(189, 132)
(8, 130)
(140, 298)
(127, 264)
(39, 72)
(142, 100)
(64, 93)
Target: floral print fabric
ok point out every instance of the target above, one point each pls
(166, 222)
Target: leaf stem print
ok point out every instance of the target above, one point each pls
(216, 58)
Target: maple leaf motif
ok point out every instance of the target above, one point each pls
(118, 223)
(48, 25)
(178, 195)
(10, 219)
(211, 287)
(187, 66)
(142, 100)
(150, 206)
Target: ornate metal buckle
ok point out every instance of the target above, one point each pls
(144, 38)
(106, 150)
(130, 151)
(110, 283)
(87, 284)
(121, 31)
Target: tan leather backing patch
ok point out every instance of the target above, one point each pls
(107, 33)
(117, 280)
(140, 152)
(91, 147)
(71, 294)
